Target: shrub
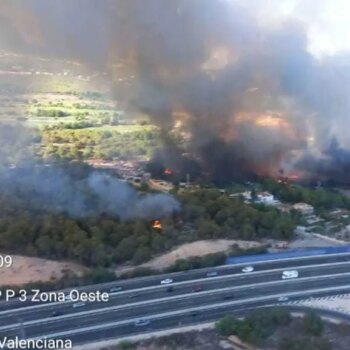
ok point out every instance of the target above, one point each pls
(126, 345)
(312, 324)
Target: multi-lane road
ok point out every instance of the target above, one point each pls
(194, 297)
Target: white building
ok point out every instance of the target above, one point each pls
(266, 198)
(261, 197)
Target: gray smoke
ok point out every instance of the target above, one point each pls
(83, 195)
(120, 199)
(215, 59)
(70, 188)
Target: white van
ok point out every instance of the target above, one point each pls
(290, 274)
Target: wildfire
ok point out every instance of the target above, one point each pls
(168, 171)
(269, 120)
(157, 225)
(294, 177)
(290, 177)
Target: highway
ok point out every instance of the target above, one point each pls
(137, 283)
(193, 298)
(183, 289)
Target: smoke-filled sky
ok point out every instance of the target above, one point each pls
(326, 22)
(257, 82)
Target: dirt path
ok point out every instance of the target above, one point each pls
(199, 248)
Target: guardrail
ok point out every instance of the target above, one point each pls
(294, 253)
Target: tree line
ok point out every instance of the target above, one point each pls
(98, 143)
(259, 325)
(215, 215)
(320, 198)
(31, 224)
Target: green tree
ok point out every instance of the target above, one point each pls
(222, 216)
(126, 345)
(214, 259)
(141, 255)
(226, 325)
(144, 187)
(181, 265)
(100, 275)
(140, 228)
(126, 249)
(158, 242)
(313, 324)
(247, 231)
(207, 229)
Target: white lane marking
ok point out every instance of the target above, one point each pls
(172, 298)
(195, 281)
(223, 267)
(185, 311)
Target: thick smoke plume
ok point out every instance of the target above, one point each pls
(70, 188)
(92, 195)
(242, 84)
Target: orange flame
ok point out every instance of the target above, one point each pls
(157, 225)
(168, 171)
(289, 178)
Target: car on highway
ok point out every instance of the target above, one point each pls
(212, 274)
(56, 313)
(79, 304)
(227, 297)
(170, 289)
(142, 322)
(166, 281)
(197, 289)
(290, 274)
(116, 289)
(281, 299)
(248, 269)
(134, 295)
